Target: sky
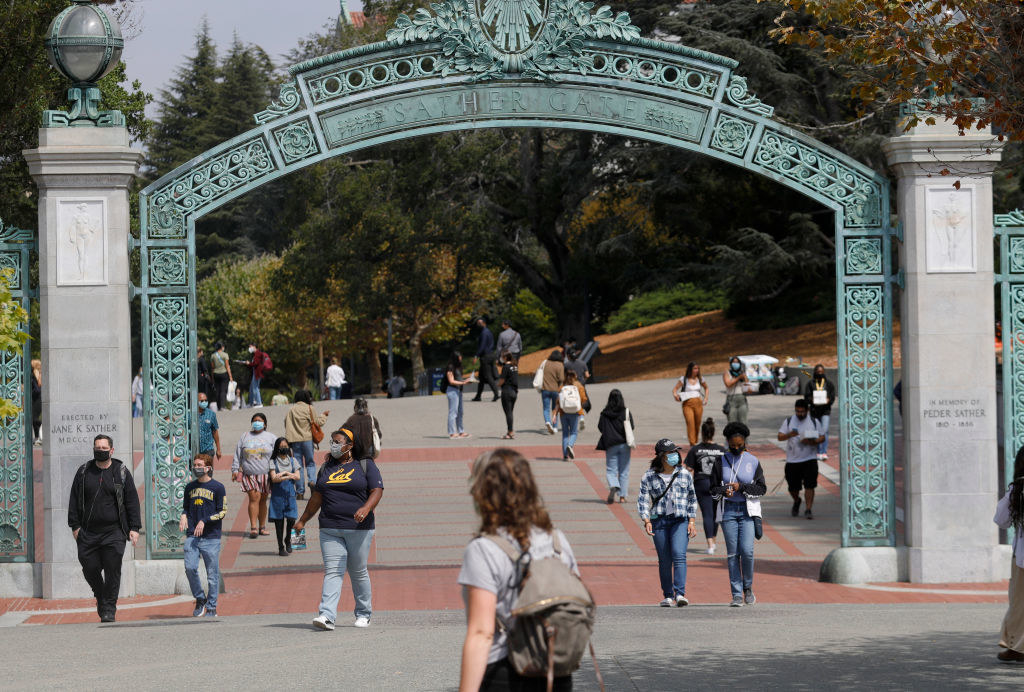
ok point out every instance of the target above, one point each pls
(169, 28)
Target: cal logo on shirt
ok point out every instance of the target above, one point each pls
(340, 477)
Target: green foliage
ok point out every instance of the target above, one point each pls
(665, 304)
(12, 337)
(534, 321)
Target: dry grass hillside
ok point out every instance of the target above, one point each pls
(663, 350)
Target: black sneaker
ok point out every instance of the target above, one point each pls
(808, 514)
(282, 552)
(288, 547)
(570, 453)
(612, 492)
(200, 608)
(796, 508)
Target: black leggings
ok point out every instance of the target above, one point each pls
(501, 677)
(708, 507)
(284, 534)
(508, 403)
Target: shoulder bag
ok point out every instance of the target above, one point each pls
(314, 427)
(628, 427)
(376, 438)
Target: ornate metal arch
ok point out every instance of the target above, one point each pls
(575, 68)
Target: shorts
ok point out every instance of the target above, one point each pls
(255, 483)
(805, 472)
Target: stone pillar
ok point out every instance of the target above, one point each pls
(83, 174)
(949, 379)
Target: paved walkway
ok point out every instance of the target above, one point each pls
(426, 518)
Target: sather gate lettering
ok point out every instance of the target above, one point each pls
(451, 68)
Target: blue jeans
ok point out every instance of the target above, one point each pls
(345, 550)
(209, 548)
(303, 452)
(616, 465)
(548, 399)
(454, 410)
(137, 408)
(738, 529)
(671, 541)
(334, 393)
(825, 420)
(254, 392)
(570, 428)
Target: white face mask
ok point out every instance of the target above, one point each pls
(336, 449)
(252, 349)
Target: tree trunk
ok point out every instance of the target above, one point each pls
(376, 376)
(416, 355)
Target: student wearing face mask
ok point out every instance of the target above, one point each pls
(209, 428)
(250, 467)
(668, 507)
(820, 394)
(204, 508)
(285, 476)
(347, 491)
(735, 400)
(103, 513)
(737, 483)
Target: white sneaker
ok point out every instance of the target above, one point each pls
(551, 428)
(362, 621)
(711, 550)
(667, 603)
(322, 623)
(681, 600)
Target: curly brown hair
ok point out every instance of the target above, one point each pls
(506, 495)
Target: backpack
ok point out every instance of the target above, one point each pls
(569, 399)
(268, 364)
(554, 616)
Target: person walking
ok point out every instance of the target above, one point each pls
(452, 385)
(510, 341)
(701, 461)
(510, 508)
(1010, 514)
(820, 394)
(486, 355)
(692, 391)
(298, 430)
(259, 364)
(573, 362)
(737, 483)
(285, 477)
(250, 467)
(137, 394)
(103, 514)
(209, 429)
(569, 408)
(204, 506)
(363, 425)
(615, 443)
(668, 508)
(346, 494)
(334, 380)
(509, 384)
(204, 378)
(802, 435)
(735, 398)
(37, 402)
(551, 384)
(221, 366)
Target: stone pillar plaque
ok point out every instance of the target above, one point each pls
(82, 245)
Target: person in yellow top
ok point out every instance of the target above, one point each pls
(298, 430)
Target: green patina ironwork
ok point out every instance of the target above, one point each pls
(483, 64)
(17, 533)
(1009, 230)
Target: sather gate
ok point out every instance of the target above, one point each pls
(565, 65)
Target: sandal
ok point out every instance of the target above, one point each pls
(263, 531)
(252, 533)
(507, 436)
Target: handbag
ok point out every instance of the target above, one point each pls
(376, 438)
(314, 427)
(538, 377)
(726, 408)
(630, 436)
(230, 397)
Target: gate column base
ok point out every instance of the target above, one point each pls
(864, 565)
(21, 580)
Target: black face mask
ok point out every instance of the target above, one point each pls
(101, 455)
(736, 450)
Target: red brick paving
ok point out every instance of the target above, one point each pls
(613, 582)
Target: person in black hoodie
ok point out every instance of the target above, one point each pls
(821, 394)
(701, 461)
(616, 449)
(103, 513)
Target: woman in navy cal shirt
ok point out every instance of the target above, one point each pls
(737, 482)
(346, 492)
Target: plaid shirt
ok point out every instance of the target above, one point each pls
(679, 501)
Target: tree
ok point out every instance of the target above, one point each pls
(13, 319)
(943, 54)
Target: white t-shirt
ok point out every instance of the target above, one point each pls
(809, 428)
(689, 390)
(487, 567)
(335, 376)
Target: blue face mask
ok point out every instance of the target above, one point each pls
(672, 459)
(257, 426)
(203, 404)
(735, 367)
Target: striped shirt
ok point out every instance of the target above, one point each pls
(679, 501)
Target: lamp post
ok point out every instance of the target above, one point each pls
(83, 43)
